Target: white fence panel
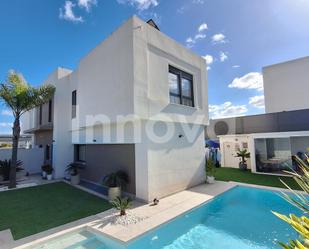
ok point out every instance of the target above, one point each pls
(32, 159)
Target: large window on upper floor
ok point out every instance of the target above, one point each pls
(180, 87)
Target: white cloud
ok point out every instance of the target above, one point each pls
(253, 80)
(202, 27)
(257, 101)
(67, 13)
(218, 38)
(209, 59)
(223, 56)
(6, 113)
(140, 4)
(86, 4)
(227, 109)
(181, 10)
(235, 66)
(200, 34)
(6, 125)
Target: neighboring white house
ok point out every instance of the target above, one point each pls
(286, 86)
(137, 102)
(274, 137)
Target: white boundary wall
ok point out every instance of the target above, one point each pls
(32, 158)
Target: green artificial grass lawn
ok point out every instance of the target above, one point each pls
(236, 175)
(31, 210)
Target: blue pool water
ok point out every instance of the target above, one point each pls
(237, 219)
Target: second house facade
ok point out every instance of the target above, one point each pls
(137, 102)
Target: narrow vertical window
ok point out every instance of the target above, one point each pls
(180, 87)
(74, 104)
(50, 111)
(40, 114)
(47, 152)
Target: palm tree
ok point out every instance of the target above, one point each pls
(21, 97)
(301, 201)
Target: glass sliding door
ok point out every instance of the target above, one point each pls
(273, 155)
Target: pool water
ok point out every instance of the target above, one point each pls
(241, 218)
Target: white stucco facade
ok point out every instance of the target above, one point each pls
(286, 86)
(123, 98)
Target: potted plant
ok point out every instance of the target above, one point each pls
(44, 169)
(115, 181)
(49, 172)
(243, 155)
(121, 204)
(210, 170)
(73, 169)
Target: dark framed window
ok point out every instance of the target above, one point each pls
(74, 104)
(180, 87)
(40, 114)
(50, 103)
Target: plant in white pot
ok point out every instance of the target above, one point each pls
(115, 181)
(73, 169)
(210, 170)
(49, 172)
(44, 168)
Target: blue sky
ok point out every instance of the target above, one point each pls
(236, 37)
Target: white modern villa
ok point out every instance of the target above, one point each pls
(137, 102)
(283, 131)
(136, 107)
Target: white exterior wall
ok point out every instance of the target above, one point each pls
(32, 158)
(105, 77)
(176, 164)
(165, 168)
(286, 86)
(28, 120)
(62, 136)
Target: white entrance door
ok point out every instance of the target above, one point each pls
(229, 155)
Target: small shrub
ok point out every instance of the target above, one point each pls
(122, 204)
(210, 167)
(116, 179)
(243, 155)
(48, 169)
(73, 168)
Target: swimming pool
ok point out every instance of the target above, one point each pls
(238, 219)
